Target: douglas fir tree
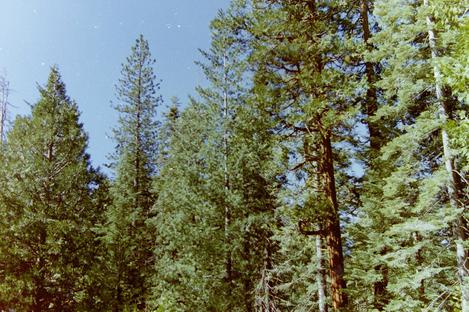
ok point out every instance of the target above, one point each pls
(47, 248)
(130, 240)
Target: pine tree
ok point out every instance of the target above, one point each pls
(4, 93)
(167, 130)
(306, 72)
(47, 208)
(130, 240)
(219, 158)
(377, 132)
(245, 145)
(454, 183)
(406, 217)
(189, 254)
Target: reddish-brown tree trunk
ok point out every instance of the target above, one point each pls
(332, 225)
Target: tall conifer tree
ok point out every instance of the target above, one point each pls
(224, 213)
(130, 240)
(47, 249)
(408, 211)
(304, 71)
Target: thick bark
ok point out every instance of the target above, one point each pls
(326, 176)
(332, 225)
(454, 186)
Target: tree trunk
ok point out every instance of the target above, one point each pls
(380, 299)
(320, 275)
(138, 144)
(264, 296)
(371, 94)
(247, 284)
(454, 185)
(332, 225)
(379, 287)
(332, 222)
(419, 261)
(40, 294)
(226, 182)
(4, 90)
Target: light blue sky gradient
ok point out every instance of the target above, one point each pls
(89, 39)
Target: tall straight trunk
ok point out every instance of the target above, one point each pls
(326, 175)
(138, 130)
(320, 275)
(4, 90)
(332, 224)
(454, 186)
(371, 94)
(321, 279)
(226, 182)
(247, 284)
(40, 298)
(379, 287)
(264, 296)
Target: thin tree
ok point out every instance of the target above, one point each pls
(4, 93)
(129, 238)
(454, 185)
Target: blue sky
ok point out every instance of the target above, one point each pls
(89, 39)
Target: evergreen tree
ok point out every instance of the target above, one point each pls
(166, 132)
(216, 231)
(47, 209)
(407, 219)
(130, 240)
(189, 253)
(4, 93)
(332, 135)
(307, 77)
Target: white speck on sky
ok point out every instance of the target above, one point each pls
(89, 40)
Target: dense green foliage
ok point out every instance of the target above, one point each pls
(127, 234)
(324, 166)
(48, 208)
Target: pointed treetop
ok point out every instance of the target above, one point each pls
(55, 87)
